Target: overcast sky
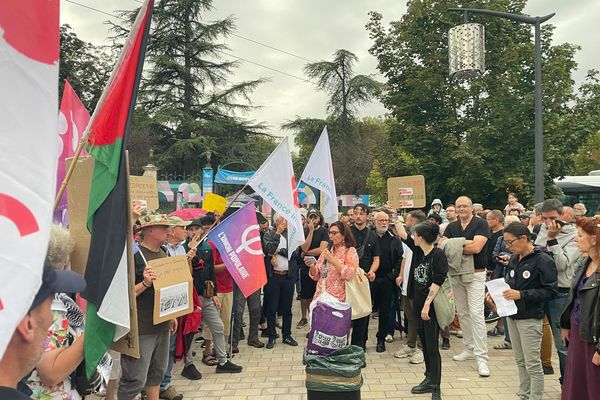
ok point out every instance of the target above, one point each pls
(314, 29)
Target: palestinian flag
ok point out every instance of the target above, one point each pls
(106, 274)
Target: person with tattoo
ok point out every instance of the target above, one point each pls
(430, 274)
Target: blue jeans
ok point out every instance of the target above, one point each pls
(553, 309)
(166, 382)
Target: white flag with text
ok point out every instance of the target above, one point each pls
(275, 183)
(318, 173)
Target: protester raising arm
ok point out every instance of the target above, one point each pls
(56, 365)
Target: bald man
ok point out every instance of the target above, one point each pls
(469, 288)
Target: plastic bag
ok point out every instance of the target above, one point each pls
(340, 371)
(330, 325)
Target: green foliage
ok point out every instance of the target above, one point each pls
(193, 107)
(474, 137)
(588, 157)
(85, 66)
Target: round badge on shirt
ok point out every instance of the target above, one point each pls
(526, 274)
(512, 274)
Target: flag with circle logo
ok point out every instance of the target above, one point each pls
(238, 240)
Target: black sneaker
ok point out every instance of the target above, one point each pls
(491, 317)
(271, 344)
(290, 341)
(228, 368)
(199, 339)
(445, 344)
(191, 372)
(548, 370)
(380, 346)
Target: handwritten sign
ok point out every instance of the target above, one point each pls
(172, 288)
(407, 191)
(144, 188)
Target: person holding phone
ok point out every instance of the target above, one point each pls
(316, 242)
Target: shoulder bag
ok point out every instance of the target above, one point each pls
(358, 294)
(443, 303)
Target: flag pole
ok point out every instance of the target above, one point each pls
(65, 182)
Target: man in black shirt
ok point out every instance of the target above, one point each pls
(368, 259)
(382, 288)
(469, 289)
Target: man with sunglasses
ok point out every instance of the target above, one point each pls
(558, 238)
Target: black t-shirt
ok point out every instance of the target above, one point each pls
(432, 269)
(145, 300)
(319, 235)
(12, 394)
(489, 249)
(417, 257)
(477, 227)
(371, 246)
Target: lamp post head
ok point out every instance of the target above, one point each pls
(466, 48)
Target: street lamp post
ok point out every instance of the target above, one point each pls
(539, 127)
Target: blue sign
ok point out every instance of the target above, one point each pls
(207, 181)
(233, 177)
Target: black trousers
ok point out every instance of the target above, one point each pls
(279, 295)
(360, 328)
(428, 332)
(382, 294)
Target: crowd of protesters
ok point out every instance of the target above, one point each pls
(548, 257)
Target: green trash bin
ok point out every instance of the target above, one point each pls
(336, 375)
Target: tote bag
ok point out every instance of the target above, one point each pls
(358, 294)
(443, 304)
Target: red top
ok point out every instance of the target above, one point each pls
(224, 279)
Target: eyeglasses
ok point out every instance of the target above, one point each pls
(510, 242)
(333, 233)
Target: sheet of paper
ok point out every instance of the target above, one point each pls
(407, 263)
(504, 307)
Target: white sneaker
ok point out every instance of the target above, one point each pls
(417, 357)
(405, 351)
(482, 366)
(459, 334)
(389, 338)
(466, 354)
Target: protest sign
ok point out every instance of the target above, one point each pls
(172, 288)
(406, 191)
(214, 203)
(238, 240)
(144, 188)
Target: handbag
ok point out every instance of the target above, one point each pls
(358, 294)
(443, 304)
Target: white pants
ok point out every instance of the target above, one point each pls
(469, 300)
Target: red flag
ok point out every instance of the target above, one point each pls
(72, 121)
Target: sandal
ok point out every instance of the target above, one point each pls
(503, 346)
(209, 360)
(302, 323)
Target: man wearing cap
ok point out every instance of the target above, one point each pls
(316, 242)
(26, 345)
(203, 273)
(174, 246)
(147, 372)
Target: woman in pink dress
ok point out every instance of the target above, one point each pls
(341, 262)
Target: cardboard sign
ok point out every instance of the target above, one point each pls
(214, 203)
(144, 188)
(172, 288)
(407, 191)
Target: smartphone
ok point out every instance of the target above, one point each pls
(310, 258)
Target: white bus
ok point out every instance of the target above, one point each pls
(581, 189)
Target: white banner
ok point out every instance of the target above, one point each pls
(275, 183)
(29, 147)
(319, 174)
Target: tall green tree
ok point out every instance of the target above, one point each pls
(193, 106)
(474, 137)
(349, 137)
(85, 66)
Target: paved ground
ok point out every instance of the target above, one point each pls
(279, 374)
